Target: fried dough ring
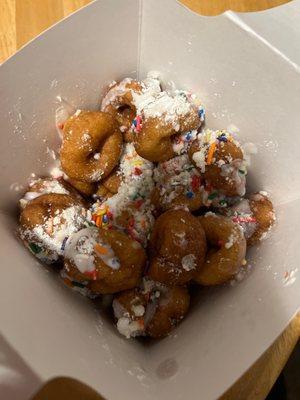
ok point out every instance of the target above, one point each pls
(255, 215)
(228, 250)
(177, 248)
(118, 102)
(106, 279)
(227, 153)
(154, 312)
(38, 213)
(154, 141)
(85, 135)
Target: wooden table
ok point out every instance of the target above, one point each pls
(22, 20)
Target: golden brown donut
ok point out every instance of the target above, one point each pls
(255, 215)
(227, 250)
(47, 221)
(108, 261)
(154, 141)
(118, 102)
(177, 184)
(220, 160)
(177, 248)
(153, 310)
(91, 147)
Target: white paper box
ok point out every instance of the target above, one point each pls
(242, 81)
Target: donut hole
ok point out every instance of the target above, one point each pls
(127, 112)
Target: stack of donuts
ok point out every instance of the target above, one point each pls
(148, 202)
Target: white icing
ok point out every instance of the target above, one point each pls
(82, 249)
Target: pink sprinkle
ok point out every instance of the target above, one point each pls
(92, 274)
(138, 123)
(243, 219)
(137, 171)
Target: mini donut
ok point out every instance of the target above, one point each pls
(47, 221)
(155, 140)
(177, 184)
(86, 188)
(109, 185)
(255, 215)
(227, 250)
(91, 146)
(153, 310)
(177, 248)
(119, 102)
(220, 160)
(41, 186)
(106, 261)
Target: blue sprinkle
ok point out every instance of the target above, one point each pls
(189, 195)
(134, 122)
(105, 219)
(64, 243)
(222, 138)
(188, 136)
(201, 113)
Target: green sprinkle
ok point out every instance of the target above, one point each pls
(34, 248)
(223, 203)
(212, 195)
(241, 171)
(74, 283)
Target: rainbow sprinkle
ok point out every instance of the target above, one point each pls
(196, 182)
(91, 274)
(201, 113)
(211, 152)
(243, 219)
(137, 123)
(102, 217)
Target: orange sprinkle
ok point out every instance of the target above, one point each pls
(68, 282)
(211, 152)
(98, 220)
(100, 249)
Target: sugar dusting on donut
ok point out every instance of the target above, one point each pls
(165, 105)
(176, 176)
(134, 191)
(47, 241)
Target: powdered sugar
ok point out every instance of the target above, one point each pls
(51, 235)
(188, 262)
(133, 194)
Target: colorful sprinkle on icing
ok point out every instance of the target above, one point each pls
(211, 152)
